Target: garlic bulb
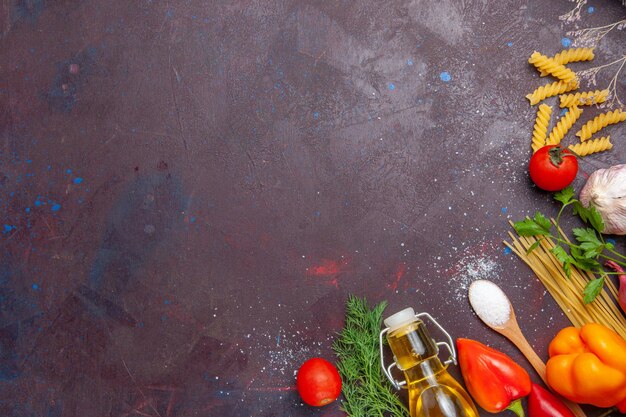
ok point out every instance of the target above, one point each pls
(606, 191)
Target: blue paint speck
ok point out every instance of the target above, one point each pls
(507, 250)
(78, 180)
(564, 111)
(192, 220)
(166, 302)
(56, 207)
(7, 228)
(591, 9)
(27, 209)
(35, 287)
(392, 86)
(316, 115)
(503, 209)
(140, 324)
(38, 203)
(566, 42)
(409, 62)
(509, 44)
(611, 241)
(445, 76)
(317, 214)
(29, 161)
(68, 171)
(49, 167)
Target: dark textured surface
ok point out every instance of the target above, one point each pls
(190, 190)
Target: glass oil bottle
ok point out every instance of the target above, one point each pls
(433, 392)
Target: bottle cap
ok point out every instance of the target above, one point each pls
(399, 319)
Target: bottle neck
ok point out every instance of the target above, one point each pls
(411, 344)
(424, 372)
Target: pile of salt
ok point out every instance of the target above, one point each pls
(489, 302)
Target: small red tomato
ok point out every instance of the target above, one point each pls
(318, 382)
(553, 168)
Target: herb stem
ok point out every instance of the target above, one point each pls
(622, 263)
(614, 252)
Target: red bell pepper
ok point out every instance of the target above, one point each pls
(494, 380)
(542, 403)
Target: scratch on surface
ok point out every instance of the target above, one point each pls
(180, 123)
(139, 388)
(7, 13)
(378, 117)
(315, 59)
(170, 404)
(177, 74)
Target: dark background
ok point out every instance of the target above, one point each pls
(190, 190)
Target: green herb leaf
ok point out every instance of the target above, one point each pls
(561, 255)
(533, 246)
(565, 195)
(541, 220)
(596, 219)
(588, 242)
(366, 390)
(583, 262)
(587, 264)
(592, 289)
(586, 235)
(537, 226)
(564, 258)
(567, 267)
(589, 215)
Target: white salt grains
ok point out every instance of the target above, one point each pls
(489, 302)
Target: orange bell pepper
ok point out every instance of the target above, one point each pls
(588, 366)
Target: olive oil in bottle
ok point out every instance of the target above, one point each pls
(433, 392)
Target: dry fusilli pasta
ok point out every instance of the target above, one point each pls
(543, 63)
(565, 123)
(586, 99)
(572, 55)
(600, 121)
(549, 90)
(541, 127)
(592, 146)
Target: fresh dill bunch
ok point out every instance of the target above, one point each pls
(366, 391)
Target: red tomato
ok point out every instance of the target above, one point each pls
(318, 382)
(553, 168)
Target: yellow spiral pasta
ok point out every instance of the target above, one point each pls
(549, 65)
(541, 127)
(563, 126)
(599, 122)
(592, 146)
(572, 55)
(549, 90)
(585, 99)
